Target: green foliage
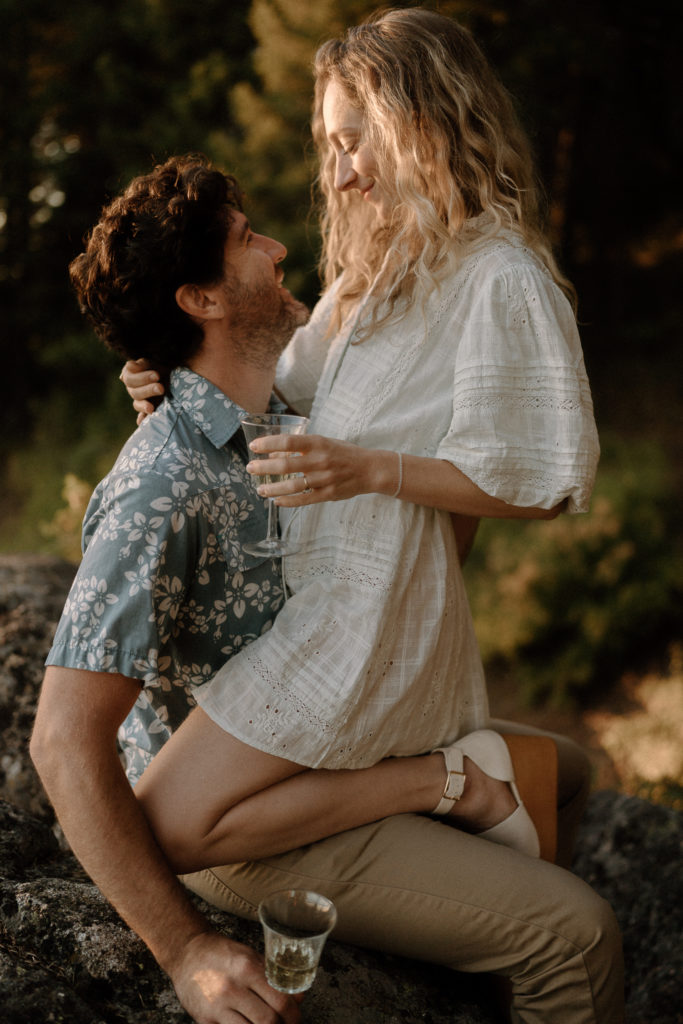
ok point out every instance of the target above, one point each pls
(667, 793)
(570, 604)
(64, 529)
(80, 439)
(90, 95)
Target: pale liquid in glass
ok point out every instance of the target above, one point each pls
(266, 478)
(291, 970)
(291, 967)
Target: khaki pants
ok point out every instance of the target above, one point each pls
(411, 886)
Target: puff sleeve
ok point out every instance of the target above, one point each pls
(522, 428)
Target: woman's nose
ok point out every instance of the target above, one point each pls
(344, 174)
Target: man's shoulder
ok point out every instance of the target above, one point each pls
(167, 474)
(168, 450)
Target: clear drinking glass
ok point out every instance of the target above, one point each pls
(296, 923)
(264, 425)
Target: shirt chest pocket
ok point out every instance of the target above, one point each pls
(246, 530)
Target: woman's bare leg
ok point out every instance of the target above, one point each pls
(211, 799)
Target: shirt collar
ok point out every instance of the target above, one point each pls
(212, 412)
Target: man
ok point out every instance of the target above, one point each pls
(165, 594)
(172, 272)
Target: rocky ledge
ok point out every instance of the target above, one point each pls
(66, 956)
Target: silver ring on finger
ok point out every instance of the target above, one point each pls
(307, 486)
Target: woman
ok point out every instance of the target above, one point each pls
(444, 359)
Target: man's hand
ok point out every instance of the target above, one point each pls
(219, 981)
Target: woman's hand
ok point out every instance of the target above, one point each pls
(142, 383)
(330, 470)
(326, 469)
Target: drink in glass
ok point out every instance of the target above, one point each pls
(296, 923)
(264, 425)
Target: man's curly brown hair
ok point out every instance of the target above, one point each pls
(168, 228)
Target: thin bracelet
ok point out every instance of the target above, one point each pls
(400, 475)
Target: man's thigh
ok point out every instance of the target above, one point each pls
(415, 887)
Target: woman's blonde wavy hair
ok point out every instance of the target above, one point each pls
(445, 137)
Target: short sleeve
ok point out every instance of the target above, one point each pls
(523, 428)
(301, 364)
(131, 580)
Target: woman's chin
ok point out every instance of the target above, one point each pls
(381, 214)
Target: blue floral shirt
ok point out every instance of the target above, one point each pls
(164, 593)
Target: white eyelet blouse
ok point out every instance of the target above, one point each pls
(374, 653)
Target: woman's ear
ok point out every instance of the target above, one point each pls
(199, 303)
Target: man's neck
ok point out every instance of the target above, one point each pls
(248, 386)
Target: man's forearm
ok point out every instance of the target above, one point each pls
(108, 832)
(73, 746)
(110, 836)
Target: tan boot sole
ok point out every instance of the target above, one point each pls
(534, 759)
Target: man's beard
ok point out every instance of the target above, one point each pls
(262, 321)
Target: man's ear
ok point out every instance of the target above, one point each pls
(199, 303)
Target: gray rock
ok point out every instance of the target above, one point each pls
(59, 937)
(66, 956)
(28, 994)
(32, 593)
(631, 852)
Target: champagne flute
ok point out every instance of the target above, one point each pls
(264, 425)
